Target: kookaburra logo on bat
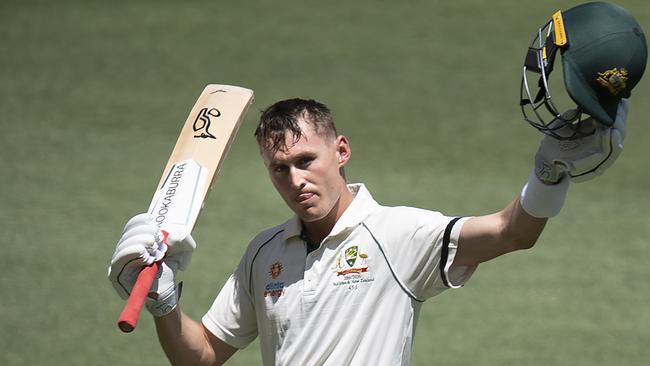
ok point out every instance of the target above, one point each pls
(202, 122)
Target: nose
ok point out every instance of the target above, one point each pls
(297, 178)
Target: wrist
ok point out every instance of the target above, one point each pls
(541, 199)
(165, 302)
(548, 173)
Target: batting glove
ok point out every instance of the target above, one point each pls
(141, 244)
(583, 158)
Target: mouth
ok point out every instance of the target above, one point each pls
(305, 197)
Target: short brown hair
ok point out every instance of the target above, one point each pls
(282, 117)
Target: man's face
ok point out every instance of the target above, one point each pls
(307, 174)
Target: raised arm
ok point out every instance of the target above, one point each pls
(557, 162)
(184, 341)
(485, 237)
(187, 342)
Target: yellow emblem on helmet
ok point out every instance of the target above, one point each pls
(614, 80)
(558, 28)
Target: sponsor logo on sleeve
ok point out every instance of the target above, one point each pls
(275, 269)
(274, 288)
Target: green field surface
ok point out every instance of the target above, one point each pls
(93, 95)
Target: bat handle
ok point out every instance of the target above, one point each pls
(129, 316)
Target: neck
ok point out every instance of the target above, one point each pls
(317, 230)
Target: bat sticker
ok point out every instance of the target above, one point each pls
(202, 122)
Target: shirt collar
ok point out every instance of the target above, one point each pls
(362, 206)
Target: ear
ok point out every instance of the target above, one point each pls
(343, 150)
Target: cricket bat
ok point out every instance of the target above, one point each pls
(187, 178)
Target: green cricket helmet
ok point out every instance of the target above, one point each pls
(604, 55)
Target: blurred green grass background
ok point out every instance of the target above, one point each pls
(93, 94)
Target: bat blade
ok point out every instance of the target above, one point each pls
(187, 178)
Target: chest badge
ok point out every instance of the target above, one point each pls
(356, 261)
(351, 255)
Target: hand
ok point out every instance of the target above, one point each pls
(584, 158)
(141, 244)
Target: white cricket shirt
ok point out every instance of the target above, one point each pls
(353, 301)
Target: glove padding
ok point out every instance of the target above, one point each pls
(584, 158)
(141, 244)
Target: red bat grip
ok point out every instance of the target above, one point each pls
(129, 316)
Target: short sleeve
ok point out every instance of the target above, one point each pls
(231, 317)
(420, 247)
(460, 275)
(426, 264)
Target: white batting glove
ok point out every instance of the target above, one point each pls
(584, 158)
(141, 244)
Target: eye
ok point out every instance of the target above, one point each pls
(280, 169)
(304, 162)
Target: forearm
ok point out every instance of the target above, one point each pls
(520, 229)
(486, 237)
(184, 340)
